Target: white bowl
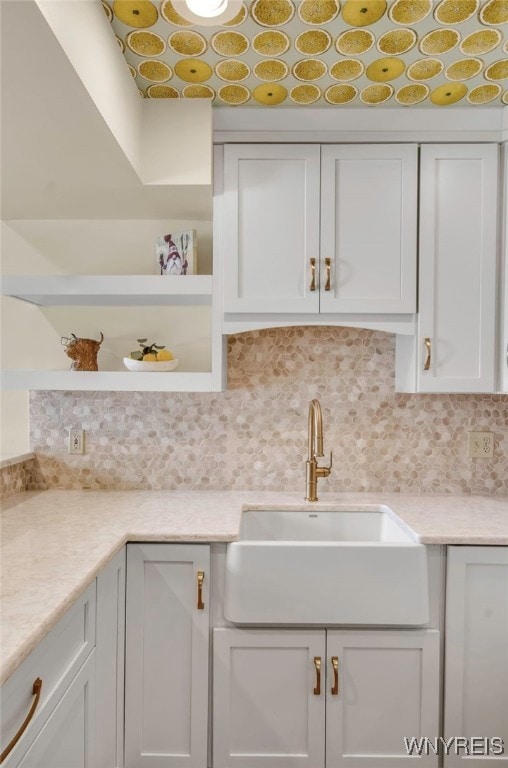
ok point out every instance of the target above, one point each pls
(141, 365)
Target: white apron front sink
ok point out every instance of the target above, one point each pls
(344, 566)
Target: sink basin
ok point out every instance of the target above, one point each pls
(340, 566)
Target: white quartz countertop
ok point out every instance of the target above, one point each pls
(54, 543)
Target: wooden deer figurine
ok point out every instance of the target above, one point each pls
(83, 352)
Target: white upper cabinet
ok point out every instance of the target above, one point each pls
(310, 229)
(271, 228)
(368, 228)
(455, 344)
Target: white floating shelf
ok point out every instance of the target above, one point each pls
(109, 290)
(108, 381)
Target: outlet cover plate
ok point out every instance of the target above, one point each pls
(480, 445)
(77, 441)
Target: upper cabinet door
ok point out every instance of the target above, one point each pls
(271, 228)
(368, 228)
(458, 261)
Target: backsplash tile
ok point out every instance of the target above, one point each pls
(20, 476)
(254, 436)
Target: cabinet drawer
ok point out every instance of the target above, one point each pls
(56, 660)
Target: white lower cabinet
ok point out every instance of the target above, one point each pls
(476, 653)
(109, 661)
(166, 656)
(285, 698)
(67, 740)
(267, 708)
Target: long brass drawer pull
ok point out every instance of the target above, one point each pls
(328, 265)
(36, 691)
(201, 578)
(312, 275)
(317, 665)
(428, 345)
(335, 686)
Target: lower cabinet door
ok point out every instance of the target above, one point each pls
(269, 698)
(476, 652)
(166, 656)
(67, 740)
(383, 689)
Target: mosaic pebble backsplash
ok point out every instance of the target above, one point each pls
(254, 436)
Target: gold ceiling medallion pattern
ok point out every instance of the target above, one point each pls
(232, 70)
(136, 13)
(409, 11)
(495, 12)
(383, 70)
(273, 43)
(497, 71)
(346, 69)
(309, 69)
(187, 43)
(455, 11)
(198, 92)
(193, 70)
(448, 94)
(341, 94)
(234, 94)
(376, 94)
(439, 41)
(317, 12)
(238, 19)
(482, 41)
(313, 42)
(146, 43)
(325, 53)
(270, 94)
(230, 43)
(272, 13)
(412, 94)
(363, 13)
(271, 70)
(397, 41)
(173, 17)
(162, 92)
(354, 42)
(305, 94)
(155, 71)
(484, 94)
(425, 69)
(464, 69)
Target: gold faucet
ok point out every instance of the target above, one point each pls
(312, 471)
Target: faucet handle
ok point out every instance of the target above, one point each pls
(325, 471)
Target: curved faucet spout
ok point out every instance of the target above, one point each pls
(315, 429)
(315, 446)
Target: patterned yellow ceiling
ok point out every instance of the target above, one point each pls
(321, 52)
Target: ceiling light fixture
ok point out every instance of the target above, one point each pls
(208, 12)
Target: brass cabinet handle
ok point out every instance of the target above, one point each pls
(328, 265)
(428, 345)
(335, 686)
(312, 274)
(201, 578)
(36, 691)
(317, 665)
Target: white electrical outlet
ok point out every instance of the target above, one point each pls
(76, 441)
(480, 445)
